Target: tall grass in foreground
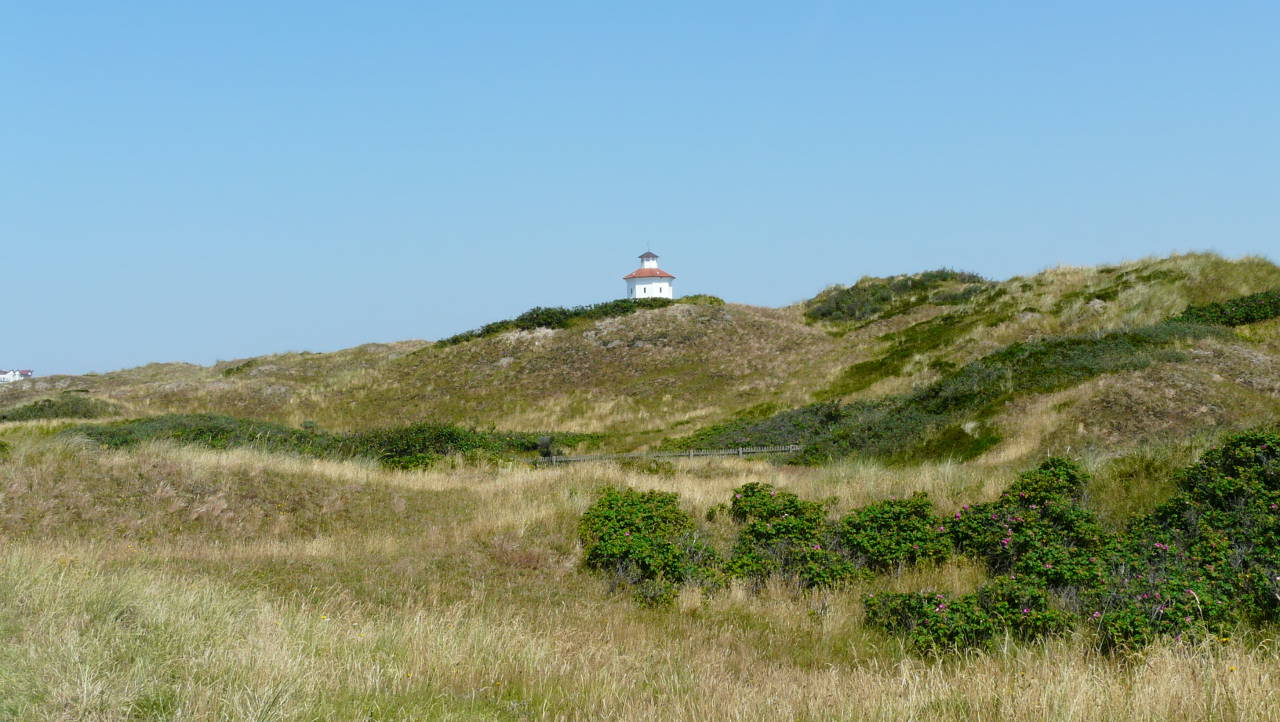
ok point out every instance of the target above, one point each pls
(457, 595)
(95, 640)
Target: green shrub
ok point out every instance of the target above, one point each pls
(964, 295)
(805, 425)
(64, 406)
(215, 432)
(644, 539)
(403, 447)
(5, 450)
(784, 534)
(934, 623)
(558, 317)
(1205, 560)
(701, 299)
(928, 422)
(872, 296)
(894, 533)
(241, 367)
(1036, 529)
(420, 445)
(1237, 311)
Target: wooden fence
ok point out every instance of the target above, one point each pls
(740, 451)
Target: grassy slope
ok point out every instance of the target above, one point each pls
(176, 583)
(668, 372)
(167, 583)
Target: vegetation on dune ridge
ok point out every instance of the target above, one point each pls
(1236, 311)
(947, 418)
(645, 377)
(930, 422)
(874, 297)
(64, 406)
(405, 447)
(555, 317)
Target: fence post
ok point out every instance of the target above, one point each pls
(739, 451)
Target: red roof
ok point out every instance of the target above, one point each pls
(647, 273)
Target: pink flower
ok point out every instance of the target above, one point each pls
(1026, 611)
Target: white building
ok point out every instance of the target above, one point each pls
(17, 375)
(649, 281)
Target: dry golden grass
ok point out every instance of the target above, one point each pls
(472, 607)
(176, 583)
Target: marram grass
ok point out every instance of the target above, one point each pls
(473, 607)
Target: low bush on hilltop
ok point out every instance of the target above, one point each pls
(1237, 311)
(215, 432)
(700, 299)
(558, 317)
(872, 296)
(403, 447)
(64, 406)
(1204, 561)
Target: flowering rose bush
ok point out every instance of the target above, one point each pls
(1036, 528)
(895, 533)
(938, 622)
(646, 539)
(784, 534)
(1204, 561)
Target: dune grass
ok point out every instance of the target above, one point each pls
(457, 594)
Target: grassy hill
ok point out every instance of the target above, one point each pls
(660, 374)
(345, 535)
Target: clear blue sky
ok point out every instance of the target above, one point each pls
(204, 181)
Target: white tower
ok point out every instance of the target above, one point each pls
(649, 281)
